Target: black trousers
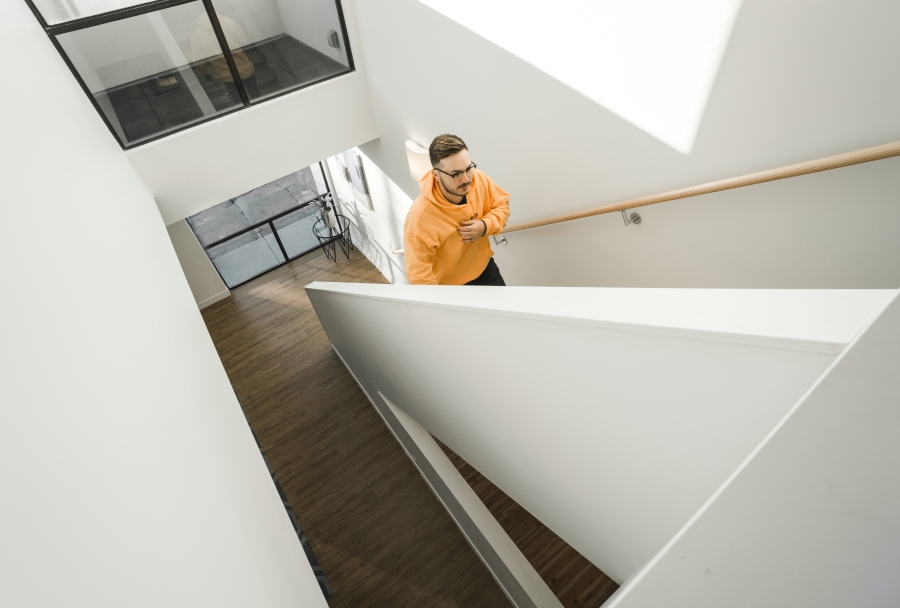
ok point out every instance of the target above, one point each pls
(490, 276)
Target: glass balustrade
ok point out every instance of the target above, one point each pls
(279, 46)
(148, 73)
(153, 68)
(61, 11)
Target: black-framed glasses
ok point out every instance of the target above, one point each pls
(458, 174)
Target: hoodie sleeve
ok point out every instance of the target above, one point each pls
(420, 256)
(495, 219)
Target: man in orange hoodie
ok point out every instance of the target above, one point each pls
(445, 236)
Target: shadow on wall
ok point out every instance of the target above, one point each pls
(365, 241)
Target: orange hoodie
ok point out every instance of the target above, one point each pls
(435, 253)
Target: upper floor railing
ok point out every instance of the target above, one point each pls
(154, 68)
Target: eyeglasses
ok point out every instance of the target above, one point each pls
(458, 174)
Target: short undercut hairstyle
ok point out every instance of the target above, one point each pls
(443, 146)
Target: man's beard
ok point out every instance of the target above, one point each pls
(455, 192)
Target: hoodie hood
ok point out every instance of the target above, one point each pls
(432, 192)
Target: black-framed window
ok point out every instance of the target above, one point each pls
(154, 68)
(259, 230)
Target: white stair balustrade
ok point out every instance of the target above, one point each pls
(611, 414)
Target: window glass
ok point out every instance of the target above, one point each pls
(278, 46)
(247, 255)
(258, 205)
(153, 73)
(296, 230)
(60, 11)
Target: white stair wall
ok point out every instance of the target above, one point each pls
(612, 415)
(812, 519)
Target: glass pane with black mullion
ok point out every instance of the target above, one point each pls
(257, 206)
(153, 73)
(55, 12)
(296, 230)
(282, 46)
(246, 255)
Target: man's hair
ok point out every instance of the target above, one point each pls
(443, 146)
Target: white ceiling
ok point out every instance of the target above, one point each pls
(652, 62)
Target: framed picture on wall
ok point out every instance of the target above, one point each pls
(355, 173)
(342, 166)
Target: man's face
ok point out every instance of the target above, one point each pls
(459, 162)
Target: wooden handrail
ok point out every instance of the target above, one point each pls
(812, 166)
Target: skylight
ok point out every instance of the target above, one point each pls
(651, 62)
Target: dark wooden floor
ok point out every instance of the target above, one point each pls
(575, 581)
(381, 536)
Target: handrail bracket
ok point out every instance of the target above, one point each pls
(634, 218)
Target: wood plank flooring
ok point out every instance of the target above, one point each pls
(575, 581)
(381, 536)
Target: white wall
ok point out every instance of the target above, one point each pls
(611, 415)
(797, 82)
(197, 168)
(200, 167)
(652, 62)
(376, 232)
(812, 520)
(202, 277)
(836, 229)
(130, 477)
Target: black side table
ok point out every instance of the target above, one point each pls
(331, 238)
